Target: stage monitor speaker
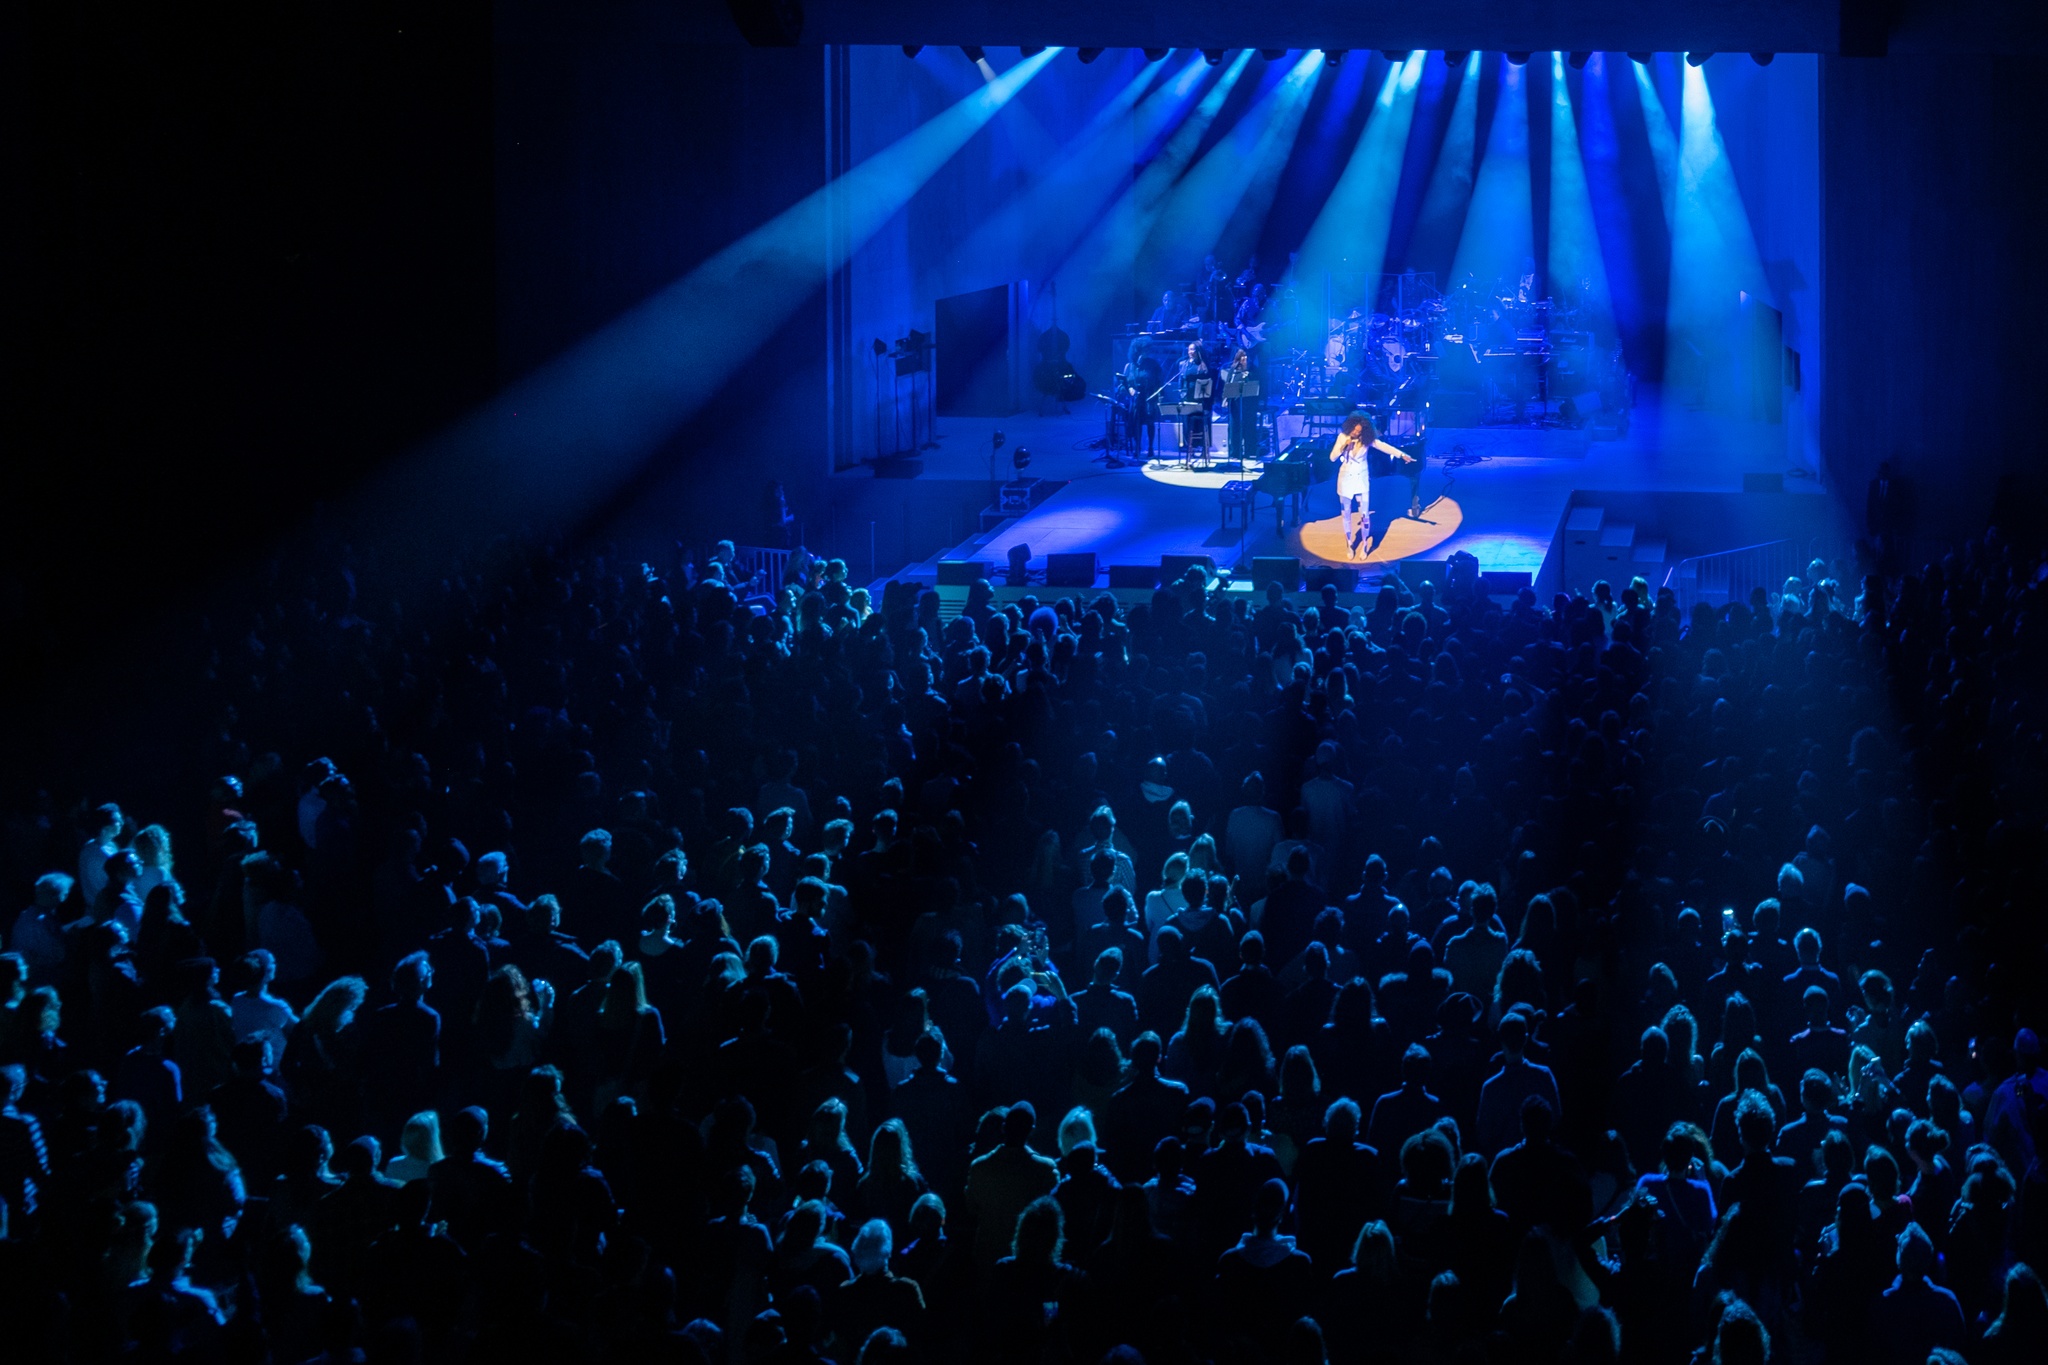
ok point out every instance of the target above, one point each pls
(1759, 482)
(1282, 569)
(1070, 571)
(1172, 568)
(1503, 583)
(958, 573)
(980, 341)
(1340, 577)
(1133, 575)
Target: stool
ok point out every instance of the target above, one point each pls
(1236, 497)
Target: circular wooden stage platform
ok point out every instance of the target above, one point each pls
(1322, 542)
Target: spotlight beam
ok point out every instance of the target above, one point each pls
(558, 442)
(1105, 256)
(1041, 225)
(1663, 145)
(1576, 269)
(1353, 224)
(1449, 193)
(1499, 231)
(1208, 199)
(1714, 258)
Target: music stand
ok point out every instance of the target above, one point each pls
(1195, 395)
(1242, 395)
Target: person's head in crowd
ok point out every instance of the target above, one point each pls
(1881, 1175)
(1041, 1234)
(1816, 1091)
(492, 869)
(1514, 1036)
(1101, 867)
(1756, 1127)
(1471, 1187)
(1019, 1121)
(1426, 1164)
(412, 977)
(1815, 1005)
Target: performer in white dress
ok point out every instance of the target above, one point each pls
(1360, 454)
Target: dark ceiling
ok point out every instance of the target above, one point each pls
(1846, 27)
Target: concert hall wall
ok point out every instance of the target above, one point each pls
(249, 261)
(626, 155)
(1937, 299)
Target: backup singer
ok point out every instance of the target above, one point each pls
(1244, 410)
(1197, 385)
(1360, 454)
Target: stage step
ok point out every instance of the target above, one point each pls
(1650, 552)
(1617, 535)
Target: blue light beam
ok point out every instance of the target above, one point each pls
(1577, 271)
(1350, 233)
(1500, 231)
(557, 442)
(1104, 260)
(1241, 171)
(1714, 258)
(1444, 203)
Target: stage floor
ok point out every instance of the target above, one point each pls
(1494, 492)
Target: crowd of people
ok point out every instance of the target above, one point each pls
(600, 961)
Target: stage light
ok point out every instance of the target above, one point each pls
(1272, 54)
(1578, 60)
(1213, 56)
(1697, 58)
(1518, 58)
(1031, 51)
(1335, 55)
(974, 54)
(1088, 54)
(1156, 54)
(881, 346)
(1396, 58)
(1641, 58)
(912, 49)
(1762, 58)
(1020, 459)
